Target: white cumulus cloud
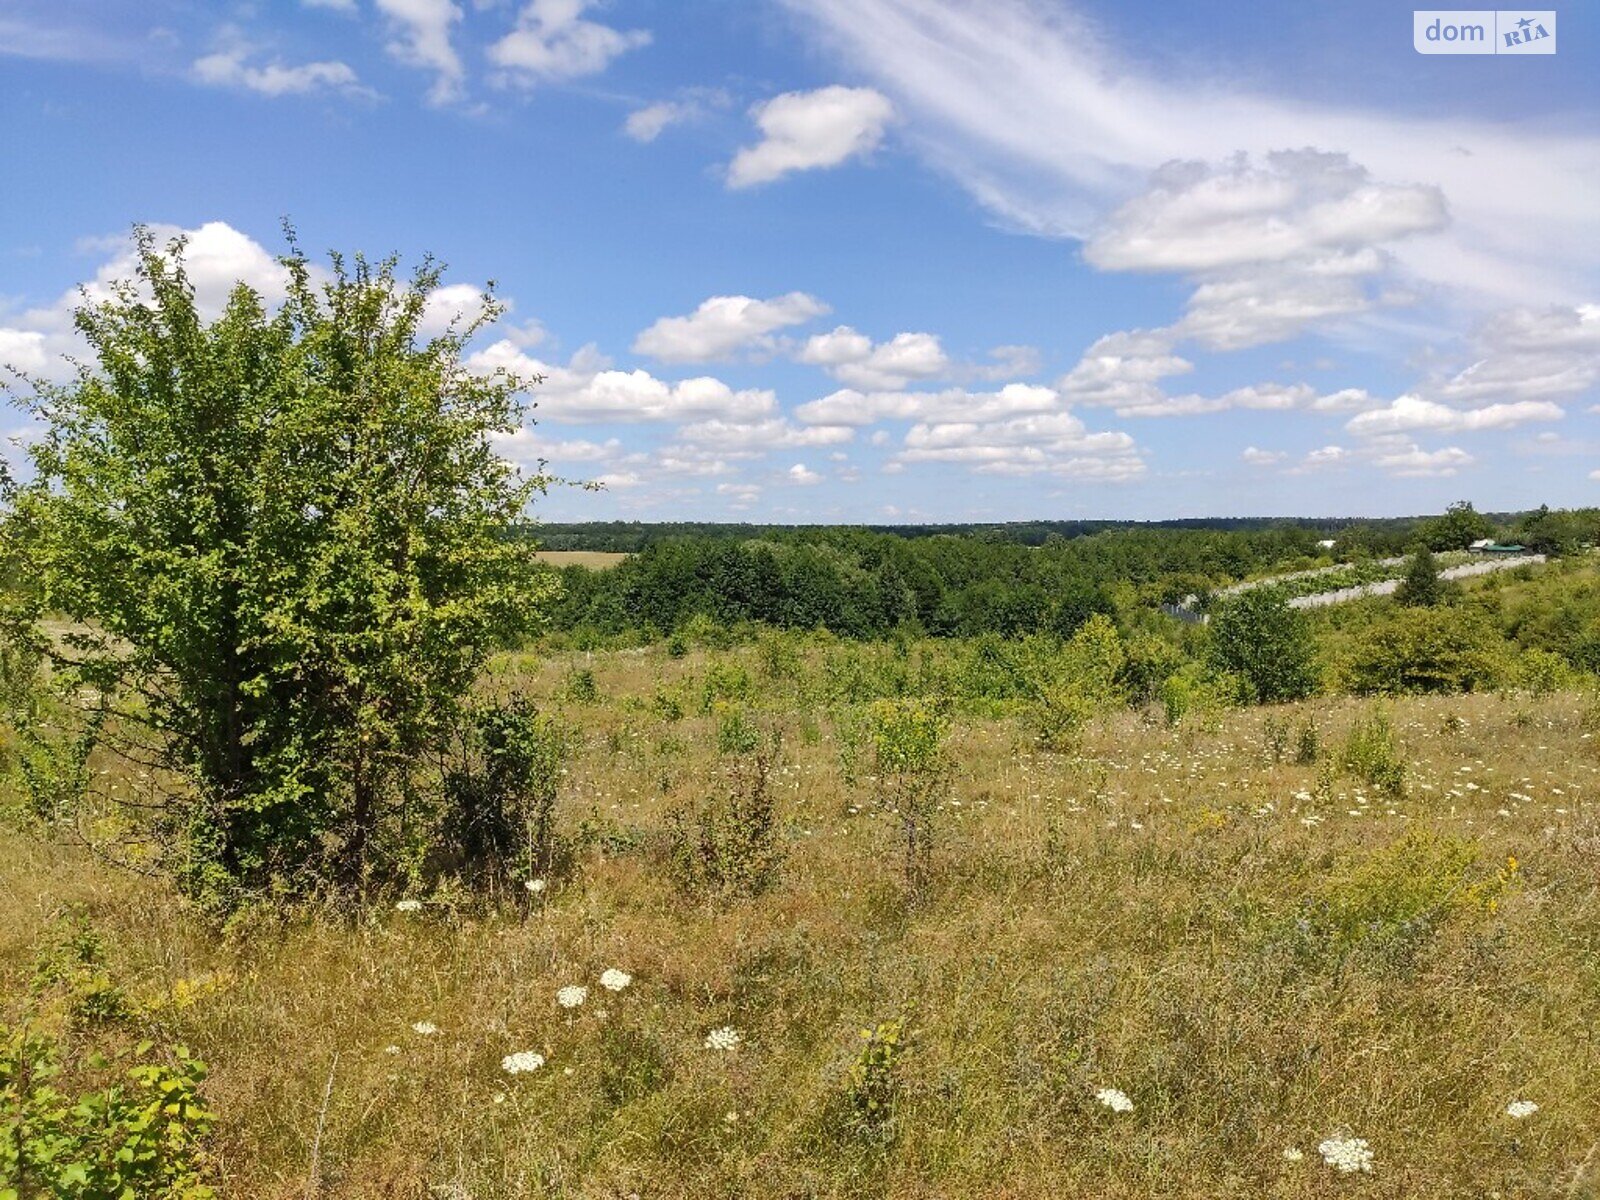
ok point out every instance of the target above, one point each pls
(1262, 458)
(1410, 461)
(553, 42)
(1410, 414)
(588, 390)
(648, 123)
(724, 325)
(854, 358)
(1055, 443)
(1050, 126)
(805, 131)
(850, 407)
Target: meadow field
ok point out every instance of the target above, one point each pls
(1318, 949)
(594, 560)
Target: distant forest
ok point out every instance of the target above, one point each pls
(966, 580)
(628, 537)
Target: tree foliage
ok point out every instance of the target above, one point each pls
(1454, 649)
(1460, 526)
(1421, 586)
(1258, 637)
(281, 538)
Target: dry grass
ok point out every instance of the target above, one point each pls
(595, 560)
(1166, 912)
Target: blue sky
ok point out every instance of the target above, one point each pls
(868, 260)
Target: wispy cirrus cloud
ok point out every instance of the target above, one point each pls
(1050, 127)
(234, 68)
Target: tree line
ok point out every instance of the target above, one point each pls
(863, 582)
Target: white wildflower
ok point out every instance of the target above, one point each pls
(724, 1038)
(425, 1028)
(614, 980)
(1114, 1099)
(535, 886)
(391, 1049)
(1518, 1109)
(521, 1061)
(1346, 1154)
(409, 906)
(1292, 1154)
(572, 996)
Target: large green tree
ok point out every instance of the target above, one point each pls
(1460, 526)
(281, 539)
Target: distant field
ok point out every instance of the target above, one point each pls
(595, 560)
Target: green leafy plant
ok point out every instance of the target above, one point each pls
(914, 774)
(580, 686)
(725, 680)
(1307, 742)
(500, 795)
(1082, 683)
(1275, 738)
(140, 1136)
(727, 844)
(1421, 586)
(874, 1084)
(72, 964)
(1372, 754)
(1444, 649)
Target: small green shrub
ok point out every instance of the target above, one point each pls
(1275, 738)
(727, 845)
(914, 774)
(1258, 637)
(1541, 672)
(725, 680)
(500, 795)
(778, 653)
(850, 734)
(736, 733)
(667, 705)
(702, 629)
(1447, 649)
(874, 1079)
(72, 965)
(139, 1137)
(580, 686)
(1307, 742)
(1082, 683)
(1201, 693)
(1372, 755)
(53, 761)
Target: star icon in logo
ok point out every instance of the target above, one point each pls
(1524, 23)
